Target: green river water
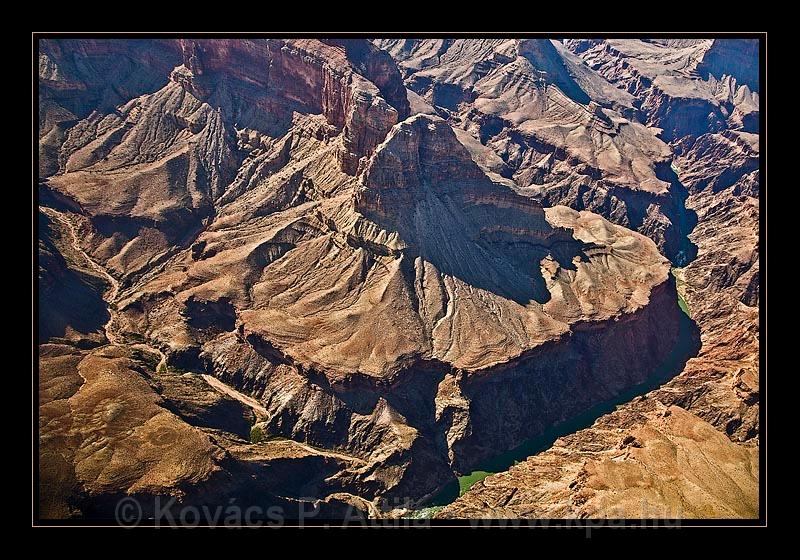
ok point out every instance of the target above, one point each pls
(685, 347)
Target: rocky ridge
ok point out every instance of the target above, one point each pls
(558, 130)
(280, 215)
(707, 415)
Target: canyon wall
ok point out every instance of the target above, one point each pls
(391, 286)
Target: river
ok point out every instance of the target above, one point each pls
(686, 346)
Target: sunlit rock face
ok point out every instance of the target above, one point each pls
(392, 259)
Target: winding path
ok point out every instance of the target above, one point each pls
(110, 295)
(257, 407)
(262, 414)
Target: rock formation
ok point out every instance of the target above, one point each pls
(710, 412)
(374, 293)
(647, 461)
(561, 132)
(388, 285)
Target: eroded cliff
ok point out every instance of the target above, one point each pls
(309, 250)
(635, 461)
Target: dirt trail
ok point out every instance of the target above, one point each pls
(262, 414)
(110, 295)
(113, 338)
(257, 407)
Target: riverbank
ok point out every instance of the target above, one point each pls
(686, 346)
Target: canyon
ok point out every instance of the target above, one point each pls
(335, 275)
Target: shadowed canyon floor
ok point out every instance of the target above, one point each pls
(340, 274)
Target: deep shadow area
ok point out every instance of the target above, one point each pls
(493, 248)
(543, 56)
(505, 267)
(211, 317)
(527, 258)
(67, 297)
(193, 400)
(686, 347)
(680, 250)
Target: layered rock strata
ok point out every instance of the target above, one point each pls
(380, 288)
(689, 449)
(382, 322)
(558, 130)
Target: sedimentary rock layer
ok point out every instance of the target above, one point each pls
(690, 448)
(390, 285)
